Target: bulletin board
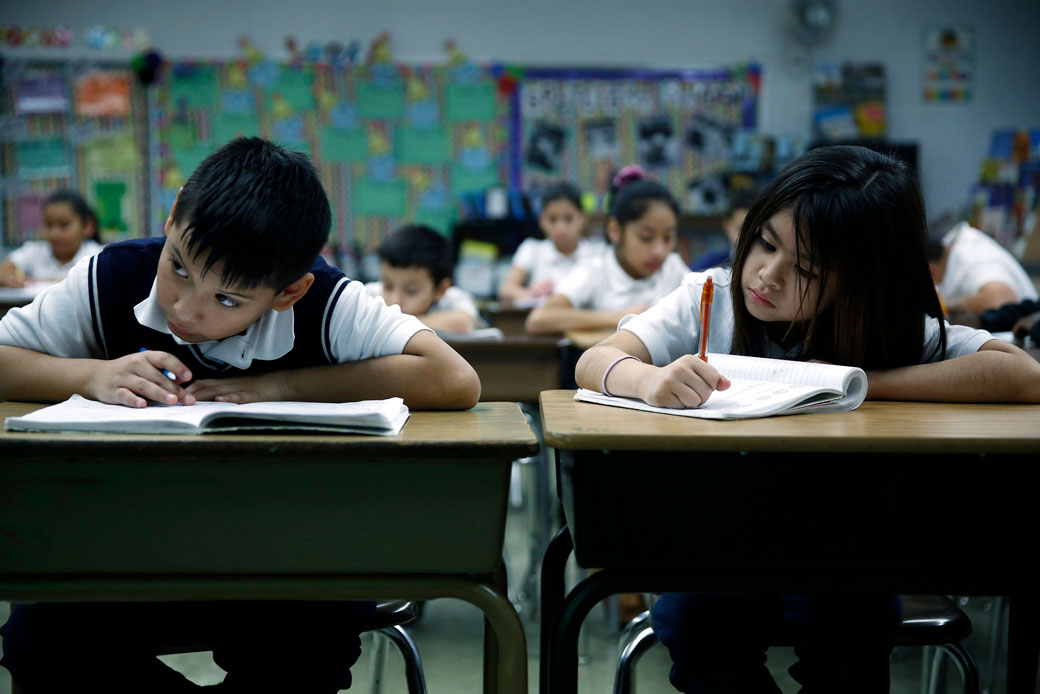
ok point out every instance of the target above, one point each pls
(392, 143)
(582, 125)
(81, 125)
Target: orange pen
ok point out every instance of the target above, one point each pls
(706, 296)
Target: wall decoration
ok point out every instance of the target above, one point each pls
(949, 63)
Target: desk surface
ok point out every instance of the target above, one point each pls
(876, 426)
(583, 339)
(493, 429)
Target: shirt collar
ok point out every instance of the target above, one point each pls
(267, 339)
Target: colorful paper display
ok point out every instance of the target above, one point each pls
(102, 93)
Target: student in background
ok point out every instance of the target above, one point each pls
(736, 210)
(640, 271)
(415, 269)
(235, 304)
(539, 264)
(831, 266)
(69, 231)
(975, 273)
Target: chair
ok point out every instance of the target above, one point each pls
(387, 621)
(927, 621)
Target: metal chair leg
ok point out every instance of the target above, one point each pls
(965, 663)
(413, 671)
(637, 638)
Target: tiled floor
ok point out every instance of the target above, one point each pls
(449, 639)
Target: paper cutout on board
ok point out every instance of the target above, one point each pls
(108, 196)
(264, 73)
(382, 168)
(474, 159)
(110, 154)
(424, 146)
(423, 114)
(344, 146)
(656, 142)
(193, 88)
(292, 92)
(545, 146)
(101, 93)
(41, 156)
(376, 101)
(288, 131)
(470, 102)
(378, 141)
(344, 115)
(466, 181)
(440, 219)
(237, 101)
(381, 198)
(227, 126)
(40, 95)
(434, 198)
(181, 136)
(29, 212)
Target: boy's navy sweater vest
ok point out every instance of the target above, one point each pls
(121, 277)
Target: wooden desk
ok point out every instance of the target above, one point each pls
(517, 368)
(794, 504)
(583, 339)
(13, 298)
(507, 317)
(226, 517)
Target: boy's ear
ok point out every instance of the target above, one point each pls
(442, 286)
(169, 219)
(293, 293)
(613, 231)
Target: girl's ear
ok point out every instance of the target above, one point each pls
(613, 231)
(293, 293)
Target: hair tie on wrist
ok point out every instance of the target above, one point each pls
(603, 385)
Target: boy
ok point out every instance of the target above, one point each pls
(415, 267)
(235, 304)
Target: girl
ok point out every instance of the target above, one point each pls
(830, 265)
(69, 227)
(641, 270)
(538, 265)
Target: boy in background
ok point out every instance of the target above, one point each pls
(235, 304)
(415, 269)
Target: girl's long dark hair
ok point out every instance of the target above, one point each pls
(860, 222)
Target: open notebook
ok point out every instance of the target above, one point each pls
(762, 388)
(382, 417)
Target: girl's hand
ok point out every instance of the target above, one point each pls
(540, 289)
(135, 379)
(686, 382)
(264, 388)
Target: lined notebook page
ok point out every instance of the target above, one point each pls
(800, 372)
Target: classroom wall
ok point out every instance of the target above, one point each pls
(654, 33)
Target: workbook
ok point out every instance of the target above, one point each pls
(381, 417)
(763, 388)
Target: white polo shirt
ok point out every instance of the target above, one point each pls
(36, 259)
(541, 260)
(975, 259)
(603, 285)
(454, 299)
(671, 328)
(58, 322)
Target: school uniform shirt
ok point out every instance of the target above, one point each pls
(975, 259)
(542, 260)
(454, 299)
(36, 259)
(671, 328)
(107, 307)
(603, 285)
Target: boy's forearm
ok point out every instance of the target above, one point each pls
(29, 375)
(449, 321)
(453, 387)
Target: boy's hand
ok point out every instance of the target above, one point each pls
(10, 277)
(686, 382)
(264, 388)
(136, 378)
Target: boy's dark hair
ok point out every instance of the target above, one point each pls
(79, 207)
(631, 196)
(562, 190)
(417, 245)
(860, 221)
(259, 209)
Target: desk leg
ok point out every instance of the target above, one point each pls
(1023, 643)
(554, 568)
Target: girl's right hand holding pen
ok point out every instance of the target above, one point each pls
(686, 382)
(135, 379)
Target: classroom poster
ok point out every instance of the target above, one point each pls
(392, 143)
(949, 63)
(583, 125)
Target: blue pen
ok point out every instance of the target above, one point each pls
(166, 372)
